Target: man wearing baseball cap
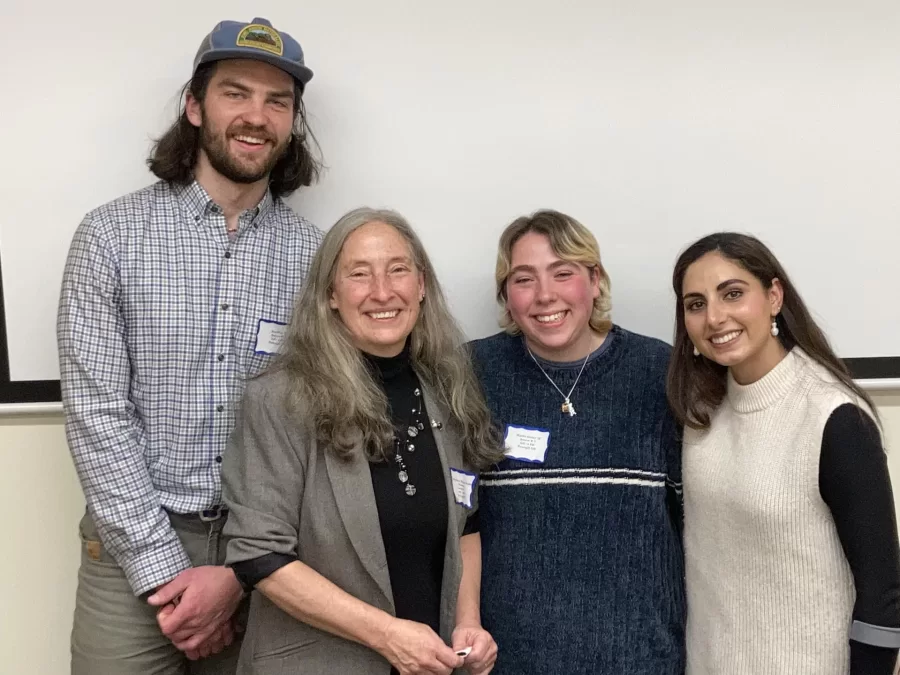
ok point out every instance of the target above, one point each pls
(172, 297)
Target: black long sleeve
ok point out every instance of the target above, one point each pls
(251, 572)
(855, 484)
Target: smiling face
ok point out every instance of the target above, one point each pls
(551, 299)
(377, 289)
(245, 119)
(728, 316)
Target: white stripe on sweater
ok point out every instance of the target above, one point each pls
(571, 480)
(633, 473)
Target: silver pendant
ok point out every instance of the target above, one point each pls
(403, 476)
(568, 408)
(412, 432)
(411, 447)
(410, 489)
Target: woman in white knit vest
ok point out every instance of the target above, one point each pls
(791, 550)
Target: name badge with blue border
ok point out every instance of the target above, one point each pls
(526, 444)
(269, 336)
(463, 485)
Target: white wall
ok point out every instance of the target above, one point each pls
(652, 122)
(42, 501)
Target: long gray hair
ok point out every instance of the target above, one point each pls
(333, 388)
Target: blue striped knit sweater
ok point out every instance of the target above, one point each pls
(582, 562)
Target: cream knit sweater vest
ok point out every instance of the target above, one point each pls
(768, 587)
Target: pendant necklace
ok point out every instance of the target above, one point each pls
(567, 407)
(407, 444)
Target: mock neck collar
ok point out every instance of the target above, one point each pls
(767, 390)
(388, 367)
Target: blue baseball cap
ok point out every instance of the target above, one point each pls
(255, 40)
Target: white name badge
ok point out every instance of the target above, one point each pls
(463, 484)
(269, 336)
(526, 443)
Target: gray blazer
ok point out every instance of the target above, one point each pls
(287, 494)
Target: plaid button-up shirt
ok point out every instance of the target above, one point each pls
(158, 328)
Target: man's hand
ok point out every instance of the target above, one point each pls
(202, 600)
(221, 638)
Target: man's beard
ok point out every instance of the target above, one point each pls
(216, 148)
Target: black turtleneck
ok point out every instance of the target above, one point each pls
(414, 529)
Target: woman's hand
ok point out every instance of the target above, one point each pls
(414, 649)
(483, 656)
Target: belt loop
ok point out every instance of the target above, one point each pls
(216, 512)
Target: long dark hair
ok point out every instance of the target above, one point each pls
(174, 154)
(695, 385)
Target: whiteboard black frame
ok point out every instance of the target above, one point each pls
(22, 391)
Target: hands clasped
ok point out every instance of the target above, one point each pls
(196, 609)
(415, 649)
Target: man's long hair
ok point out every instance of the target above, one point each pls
(174, 154)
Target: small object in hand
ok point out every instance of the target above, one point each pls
(464, 652)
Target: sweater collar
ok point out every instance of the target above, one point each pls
(769, 389)
(387, 368)
(612, 336)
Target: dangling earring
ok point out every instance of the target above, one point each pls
(775, 330)
(696, 351)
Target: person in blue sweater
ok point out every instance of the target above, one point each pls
(582, 562)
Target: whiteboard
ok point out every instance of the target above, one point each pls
(652, 122)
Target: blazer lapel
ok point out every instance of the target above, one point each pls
(351, 481)
(447, 441)
(448, 446)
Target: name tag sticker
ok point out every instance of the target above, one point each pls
(269, 336)
(463, 484)
(526, 444)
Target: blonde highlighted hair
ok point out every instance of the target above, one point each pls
(571, 241)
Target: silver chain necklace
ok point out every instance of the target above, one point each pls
(567, 406)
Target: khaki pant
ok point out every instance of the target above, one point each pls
(115, 632)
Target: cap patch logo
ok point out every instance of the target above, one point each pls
(261, 37)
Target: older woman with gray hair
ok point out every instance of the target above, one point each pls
(350, 476)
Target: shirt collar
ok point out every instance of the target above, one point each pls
(263, 208)
(197, 204)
